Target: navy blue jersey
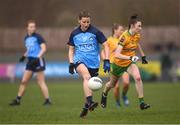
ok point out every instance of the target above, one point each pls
(86, 46)
(32, 43)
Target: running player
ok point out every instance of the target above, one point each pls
(84, 55)
(112, 41)
(125, 58)
(36, 49)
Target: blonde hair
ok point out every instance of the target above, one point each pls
(115, 27)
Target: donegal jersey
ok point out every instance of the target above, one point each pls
(86, 45)
(130, 44)
(112, 43)
(32, 43)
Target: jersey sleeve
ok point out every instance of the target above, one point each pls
(100, 37)
(122, 40)
(40, 39)
(71, 41)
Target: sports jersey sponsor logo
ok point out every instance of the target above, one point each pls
(87, 47)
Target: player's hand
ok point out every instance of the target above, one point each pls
(106, 65)
(134, 58)
(144, 61)
(71, 68)
(22, 59)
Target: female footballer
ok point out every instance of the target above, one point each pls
(125, 60)
(84, 55)
(35, 50)
(112, 41)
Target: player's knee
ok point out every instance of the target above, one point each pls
(138, 78)
(41, 83)
(86, 78)
(110, 85)
(24, 82)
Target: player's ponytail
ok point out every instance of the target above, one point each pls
(133, 19)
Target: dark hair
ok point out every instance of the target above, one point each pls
(84, 13)
(30, 21)
(133, 19)
(115, 27)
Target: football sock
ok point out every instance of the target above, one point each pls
(47, 100)
(105, 94)
(141, 100)
(18, 98)
(117, 101)
(123, 93)
(89, 99)
(86, 105)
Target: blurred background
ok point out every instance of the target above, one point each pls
(57, 18)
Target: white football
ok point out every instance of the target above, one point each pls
(95, 83)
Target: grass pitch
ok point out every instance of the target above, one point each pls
(67, 99)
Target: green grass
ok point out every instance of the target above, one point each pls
(68, 100)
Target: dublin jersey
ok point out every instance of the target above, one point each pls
(32, 43)
(86, 45)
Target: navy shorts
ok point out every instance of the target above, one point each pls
(92, 71)
(35, 64)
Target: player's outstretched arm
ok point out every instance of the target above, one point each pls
(141, 50)
(71, 54)
(71, 63)
(106, 65)
(121, 56)
(143, 57)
